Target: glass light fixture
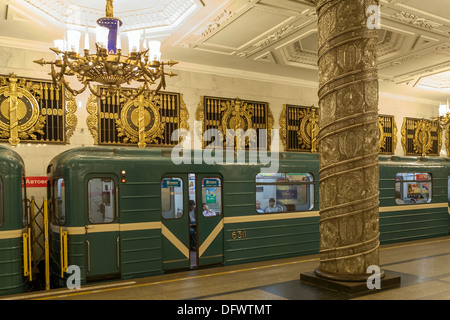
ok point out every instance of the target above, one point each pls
(108, 67)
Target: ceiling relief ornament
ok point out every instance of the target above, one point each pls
(20, 116)
(349, 140)
(217, 22)
(415, 20)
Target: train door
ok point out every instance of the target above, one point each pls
(175, 219)
(209, 219)
(102, 229)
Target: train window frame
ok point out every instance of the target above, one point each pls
(212, 212)
(176, 216)
(112, 199)
(420, 184)
(280, 207)
(56, 212)
(2, 201)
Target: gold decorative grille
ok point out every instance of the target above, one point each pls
(299, 128)
(35, 111)
(388, 134)
(226, 113)
(117, 121)
(421, 137)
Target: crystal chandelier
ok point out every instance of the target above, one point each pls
(109, 67)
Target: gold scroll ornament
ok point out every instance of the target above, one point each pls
(237, 116)
(140, 122)
(19, 110)
(309, 130)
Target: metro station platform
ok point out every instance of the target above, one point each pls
(423, 266)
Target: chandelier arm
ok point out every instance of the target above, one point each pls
(95, 92)
(73, 91)
(56, 77)
(152, 75)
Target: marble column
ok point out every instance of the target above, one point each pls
(348, 140)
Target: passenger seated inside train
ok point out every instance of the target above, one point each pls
(207, 212)
(258, 207)
(274, 208)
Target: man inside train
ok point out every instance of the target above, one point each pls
(271, 207)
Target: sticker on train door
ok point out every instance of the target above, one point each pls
(210, 219)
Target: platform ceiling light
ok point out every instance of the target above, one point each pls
(109, 67)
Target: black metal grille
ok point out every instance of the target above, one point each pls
(387, 126)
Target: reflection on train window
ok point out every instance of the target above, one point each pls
(211, 196)
(59, 201)
(1, 201)
(284, 192)
(412, 188)
(101, 200)
(172, 198)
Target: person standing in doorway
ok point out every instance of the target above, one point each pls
(192, 225)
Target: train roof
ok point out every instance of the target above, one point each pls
(163, 156)
(11, 157)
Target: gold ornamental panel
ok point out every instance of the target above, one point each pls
(388, 134)
(142, 121)
(299, 128)
(229, 115)
(35, 111)
(421, 137)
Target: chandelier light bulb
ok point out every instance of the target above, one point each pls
(106, 70)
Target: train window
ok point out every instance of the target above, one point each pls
(412, 188)
(1, 201)
(101, 200)
(284, 192)
(211, 196)
(59, 201)
(172, 198)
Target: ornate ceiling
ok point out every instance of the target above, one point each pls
(272, 40)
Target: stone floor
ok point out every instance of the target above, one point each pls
(423, 266)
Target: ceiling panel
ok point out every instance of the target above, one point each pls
(246, 28)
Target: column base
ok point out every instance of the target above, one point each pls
(349, 286)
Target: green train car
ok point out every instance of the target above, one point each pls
(125, 213)
(13, 222)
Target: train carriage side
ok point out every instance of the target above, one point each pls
(413, 198)
(13, 219)
(108, 203)
(126, 212)
(288, 229)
